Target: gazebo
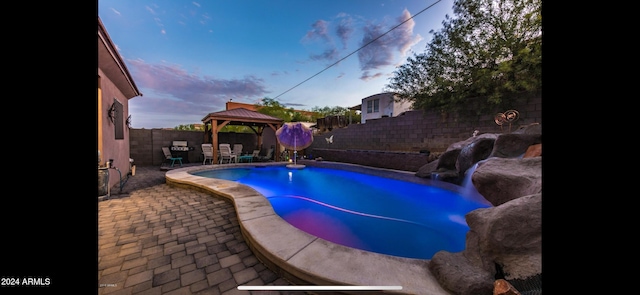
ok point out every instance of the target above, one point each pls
(213, 122)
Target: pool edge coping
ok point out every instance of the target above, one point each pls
(299, 256)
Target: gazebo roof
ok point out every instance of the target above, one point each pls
(242, 116)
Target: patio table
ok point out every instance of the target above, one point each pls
(247, 158)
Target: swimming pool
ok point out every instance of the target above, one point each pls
(360, 210)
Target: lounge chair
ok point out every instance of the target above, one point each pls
(255, 155)
(237, 149)
(168, 157)
(266, 157)
(207, 151)
(226, 154)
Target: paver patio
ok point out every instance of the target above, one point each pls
(158, 239)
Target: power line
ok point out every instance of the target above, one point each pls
(363, 46)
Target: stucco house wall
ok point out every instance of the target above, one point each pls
(114, 84)
(116, 149)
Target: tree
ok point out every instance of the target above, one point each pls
(189, 127)
(272, 107)
(236, 129)
(331, 111)
(299, 117)
(486, 57)
(336, 111)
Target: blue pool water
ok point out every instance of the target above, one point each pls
(362, 211)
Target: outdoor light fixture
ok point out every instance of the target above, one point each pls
(128, 122)
(111, 112)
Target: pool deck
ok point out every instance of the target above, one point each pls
(299, 257)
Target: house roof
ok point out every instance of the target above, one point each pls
(242, 116)
(356, 108)
(378, 95)
(112, 65)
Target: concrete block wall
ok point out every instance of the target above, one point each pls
(417, 130)
(141, 145)
(402, 138)
(381, 159)
(146, 144)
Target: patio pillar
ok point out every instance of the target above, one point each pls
(277, 156)
(214, 139)
(259, 133)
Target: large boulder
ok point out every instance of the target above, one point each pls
(448, 159)
(461, 144)
(458, 275)
(509, 235)
(426, 170)
(452, 165)
(474, 152)
(505, 240)
(501, 180)
(455, 162)
(533, 151)
(533, 128)
(459, 157)
(442, 169)
(514, 145)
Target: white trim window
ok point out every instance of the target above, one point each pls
(373, 106)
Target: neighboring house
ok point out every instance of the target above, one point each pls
(115, 88)
(382, 105)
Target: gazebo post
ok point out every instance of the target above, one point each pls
(277, 157)
(206, 138)
(259, 133)
(214, 139)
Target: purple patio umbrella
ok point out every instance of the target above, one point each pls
(294, 136)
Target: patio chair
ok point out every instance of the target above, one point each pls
(207, 151)
(255, 155)
(226, 154)
(266, 157)
(237, 149)
(168, 157)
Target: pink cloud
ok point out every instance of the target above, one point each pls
(319, 31)
(181, 85)
(380, 52)
(172, 91)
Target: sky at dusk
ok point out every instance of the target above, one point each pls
(190, 57)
